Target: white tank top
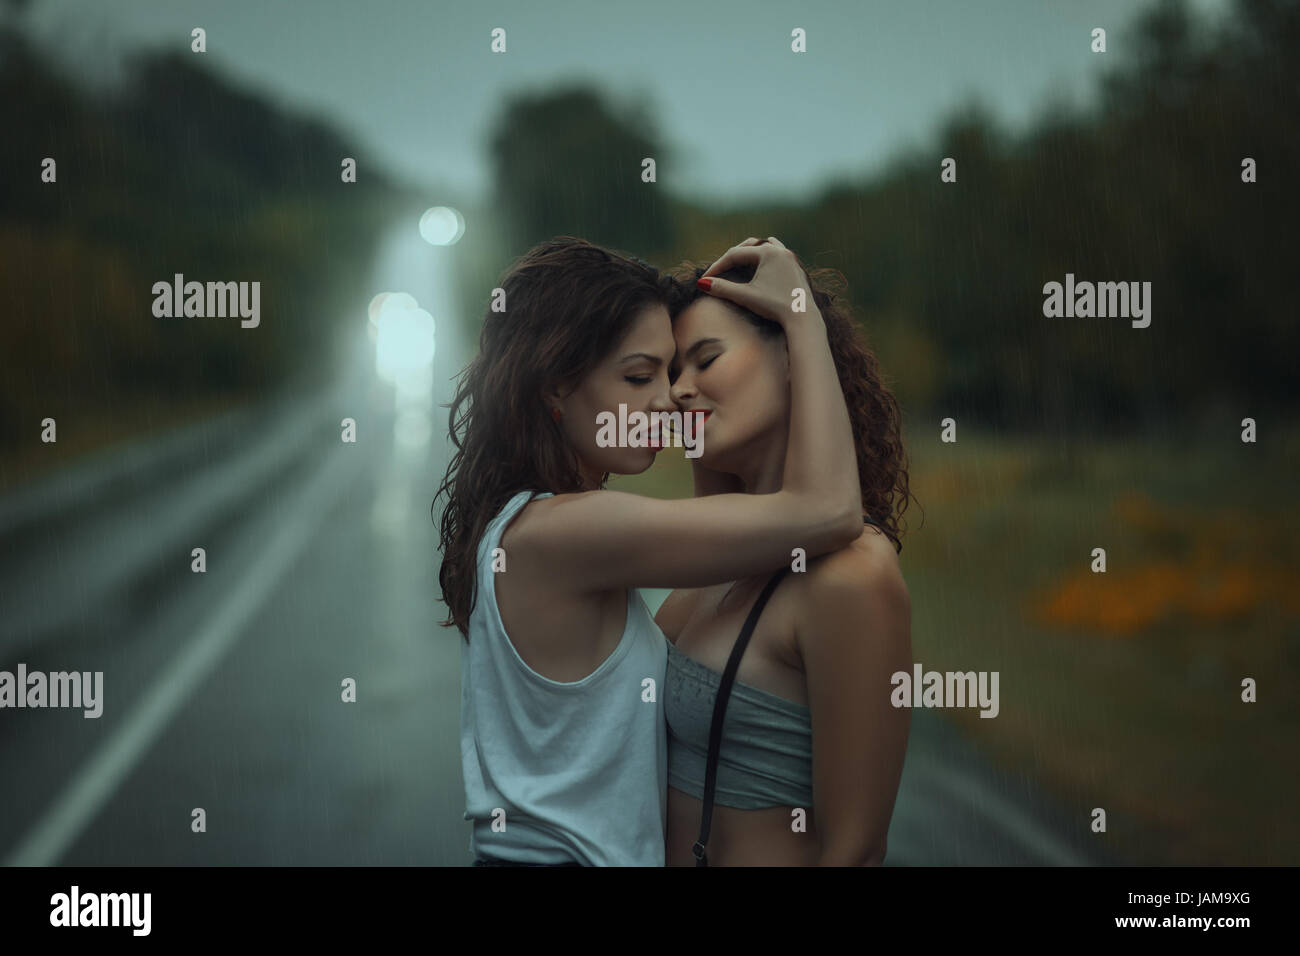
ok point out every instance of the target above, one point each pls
(579, 768)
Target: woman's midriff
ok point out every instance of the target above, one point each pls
(739, 837)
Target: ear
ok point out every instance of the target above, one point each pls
(554, 395)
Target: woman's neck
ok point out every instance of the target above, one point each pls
(592, 479)
(761, 464)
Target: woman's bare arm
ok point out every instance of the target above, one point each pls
(854, 633)
(820, 452)
(599, 540)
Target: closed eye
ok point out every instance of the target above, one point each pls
(638, 379)
(704, 365)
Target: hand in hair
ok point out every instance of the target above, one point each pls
(771, 293)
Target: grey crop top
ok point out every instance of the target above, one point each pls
(766, 755)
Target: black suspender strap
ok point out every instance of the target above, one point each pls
(719, 713)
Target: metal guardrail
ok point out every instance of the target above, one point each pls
(110, 472)
(75, 540)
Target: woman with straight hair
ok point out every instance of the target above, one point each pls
(563, 738)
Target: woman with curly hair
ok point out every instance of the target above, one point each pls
(811, 748)
(563, 738)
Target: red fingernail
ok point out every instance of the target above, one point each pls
(704, 284)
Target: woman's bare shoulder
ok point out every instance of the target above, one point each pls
(867, 566)
(850, 594)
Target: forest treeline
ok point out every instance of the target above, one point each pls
(178, 171)
(182, 171)
(947, 277)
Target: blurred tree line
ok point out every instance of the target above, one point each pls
(948, 277)
(178, 172)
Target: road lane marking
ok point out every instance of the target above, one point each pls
(969, 790)
(99, 778)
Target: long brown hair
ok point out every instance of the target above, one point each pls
(568, 305)
(873, 410)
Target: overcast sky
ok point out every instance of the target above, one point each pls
(416, 80)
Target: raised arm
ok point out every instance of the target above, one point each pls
(606, 539)
(820, 458)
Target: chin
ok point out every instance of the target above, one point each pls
(635, 461)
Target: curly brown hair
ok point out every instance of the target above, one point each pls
(873, 410)
(569, 303)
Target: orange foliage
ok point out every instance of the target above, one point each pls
(1201, 585)
(1126, 602)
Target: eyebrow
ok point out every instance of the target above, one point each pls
(699, 345)
(642, 355)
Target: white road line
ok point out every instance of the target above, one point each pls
(46, 842)
(970, 791)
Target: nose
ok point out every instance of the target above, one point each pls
(662, 401)
(683, 390)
